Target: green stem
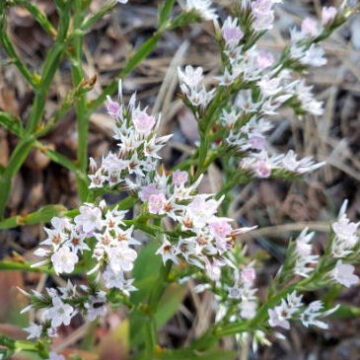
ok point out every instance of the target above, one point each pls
(82, 115)
(11, 52)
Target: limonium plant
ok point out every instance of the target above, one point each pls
(164, 222)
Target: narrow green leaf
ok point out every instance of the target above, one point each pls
(10, 123)
(44, 215)
(169, 304)
(165, 12)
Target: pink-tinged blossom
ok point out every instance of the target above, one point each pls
(231, 32)
(328, 14)
(157, 203)
(264, 60)
(143, 122)
(263, 14)
(201, 210)
(248, 276)
(344, 274)
(257, 142)
(220, 229)
(147, 191)
(180, 177)
(113, 108)
(89, 219)
(262, 168)
(309, 27)
(64, 260)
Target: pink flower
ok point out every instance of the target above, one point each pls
(262, 169)
(263, 14)
(231, 33)
(257, 142)
(248, 275)
(113, 108)
(147, 191)
(264, 60)
(328, 14)
(143, 122)
(156, 203)
(180, 177)
(220, 229)
(310, 27)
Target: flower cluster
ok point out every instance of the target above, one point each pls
(293, 308)
(206, 238)
(190, 230)
(138, 146)
(262, 85)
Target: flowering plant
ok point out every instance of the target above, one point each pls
(164, 221)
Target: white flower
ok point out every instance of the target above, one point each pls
(311, 314)
(328, 14)
(346, 230)
(192, 77)
(289, 162)
(60, 313)
(118, 281)
(270, 86)
(121, 257)
(303, 254)
(89, 218)
(202, 209)
(167, 251)
(64, 260)
(202, 7)
(278, 317)
(345, 234)
(34, 331)
(248, 309)
(344, 274)
(96, 307)
(314, 56)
